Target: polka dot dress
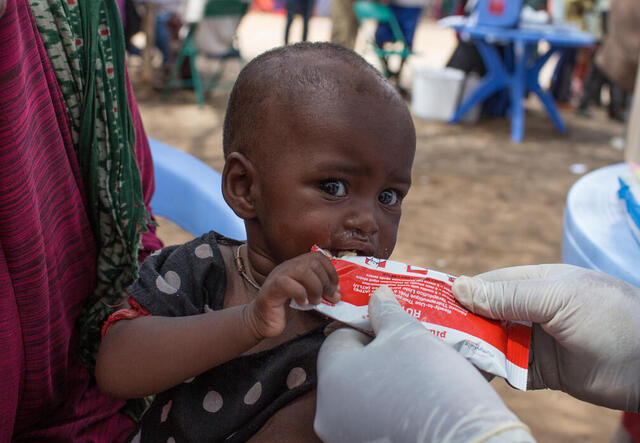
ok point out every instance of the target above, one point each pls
(232, 401)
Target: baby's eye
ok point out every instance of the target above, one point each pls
(336, 188)
(389, 197)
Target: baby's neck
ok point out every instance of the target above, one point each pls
(258, 264)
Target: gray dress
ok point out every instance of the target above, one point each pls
(232, 401)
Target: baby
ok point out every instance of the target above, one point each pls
(318, 148)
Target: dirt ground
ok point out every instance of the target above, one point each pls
(478, 201)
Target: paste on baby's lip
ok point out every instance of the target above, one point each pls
(347, 254)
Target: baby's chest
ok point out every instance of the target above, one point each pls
(293, 423)
(242, 396)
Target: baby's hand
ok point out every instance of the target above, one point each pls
(307, 279)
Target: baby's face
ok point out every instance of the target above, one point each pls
(338, 179)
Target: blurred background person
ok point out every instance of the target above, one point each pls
(167, 24)
(407, 13)
(214, 36)
(344, 25)
(563, 76)
(616, 61)
(304, 8)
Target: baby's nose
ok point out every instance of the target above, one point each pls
(362, 220)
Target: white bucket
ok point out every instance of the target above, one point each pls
(437, 92)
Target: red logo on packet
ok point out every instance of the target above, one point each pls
(496, 7)
(378, 262)
(415, 270)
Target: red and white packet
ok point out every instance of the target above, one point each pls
(497, 347)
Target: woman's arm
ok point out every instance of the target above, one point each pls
(150, 354)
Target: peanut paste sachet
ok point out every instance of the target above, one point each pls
(498, 347)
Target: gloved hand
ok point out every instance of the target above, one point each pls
(586, 332)
(405, 386)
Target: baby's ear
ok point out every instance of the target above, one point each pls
(238, 180)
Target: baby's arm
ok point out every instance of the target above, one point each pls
(150, 354)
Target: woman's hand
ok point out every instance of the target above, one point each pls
(307, 279)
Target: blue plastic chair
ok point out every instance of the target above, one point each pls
(499, 13)
(189, 193)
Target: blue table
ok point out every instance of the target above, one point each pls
(596, 234)
(519, 69)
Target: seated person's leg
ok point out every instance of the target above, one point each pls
(291, 7)
(467, 58)
(162, 35)
(408, 20)
(562, 77)
(592, 87)
(617, 102)
(307, 12)
(383, 34)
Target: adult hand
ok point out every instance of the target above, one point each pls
(586, 332)
(404, 385)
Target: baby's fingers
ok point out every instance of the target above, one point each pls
(328, 277)
(316, 283)
(309, 285)
(302, 290)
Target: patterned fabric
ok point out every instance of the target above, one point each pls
(85, 44)
(47, 251)
(232, 401)
(47, 255)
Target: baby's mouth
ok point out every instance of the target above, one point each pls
(346, 253)
(351, 243)
(350, 253)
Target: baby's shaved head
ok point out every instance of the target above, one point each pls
(287, 76)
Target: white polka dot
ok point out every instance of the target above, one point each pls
(254, 394)
(165, 411)
(171, 440)
(169, 284)
(189, 380)
(296, 377)
(136, 439)
(173, 279)
(212, 402)
(204, 251)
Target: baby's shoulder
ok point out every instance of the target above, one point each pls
(207, 247)
(194, 274)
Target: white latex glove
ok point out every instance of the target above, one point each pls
(405, 386)
(586, 332)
